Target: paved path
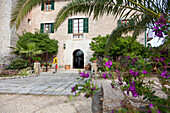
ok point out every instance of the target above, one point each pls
(45, 84)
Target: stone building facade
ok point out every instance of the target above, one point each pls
(72, 44)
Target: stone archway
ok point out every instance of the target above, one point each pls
(78, 59)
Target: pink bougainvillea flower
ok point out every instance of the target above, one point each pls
(117, 71)
(151, 106)
(105, 75)
(144, 72)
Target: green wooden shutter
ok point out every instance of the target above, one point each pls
(52, 5)
(118, 23)
(52, 27)
(85, 25)
(42, 28)
(42, 6)
(70, 25)
(132, 23)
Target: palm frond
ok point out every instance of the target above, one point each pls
(97, 8)
(23, 7)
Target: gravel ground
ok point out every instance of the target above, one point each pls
(43, 104)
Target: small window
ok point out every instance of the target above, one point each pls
(47, 6)
(29, 21)
(126, 22)
(47, 28)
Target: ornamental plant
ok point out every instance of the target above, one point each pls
(36, 58)
(135, 79)
(86, 86)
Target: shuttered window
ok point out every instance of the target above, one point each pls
(70, 25)
(47, 28)
(78, 26)
(127, 22)
(49, 5)
(85, 25)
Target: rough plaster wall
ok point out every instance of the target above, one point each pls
(5, 32)
(7, 36)
(102, 26)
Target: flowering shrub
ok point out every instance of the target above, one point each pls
(135, 78)
(36, 58)
(86, 86)
(161, 27)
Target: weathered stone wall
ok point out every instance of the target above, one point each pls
(7, 35)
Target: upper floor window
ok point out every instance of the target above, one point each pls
(127, 22)
(49, 5)
(78, 26)
(47, 28)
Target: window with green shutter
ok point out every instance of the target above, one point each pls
(85, 25)
(42, 28)
(42, 6)
(52, 5)
(70, 26)
(49, 5)
(52, 27)
(47, 28)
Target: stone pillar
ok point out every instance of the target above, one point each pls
(94, 68)
(37, 68)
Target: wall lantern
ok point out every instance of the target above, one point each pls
(64, 46)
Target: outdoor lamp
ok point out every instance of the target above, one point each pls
(64, 46)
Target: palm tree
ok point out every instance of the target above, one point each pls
(144, 12)
(29, 50)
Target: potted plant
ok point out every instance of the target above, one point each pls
(42, 65)
(36, 59)
(93, 59)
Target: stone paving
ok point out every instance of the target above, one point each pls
(46, 83)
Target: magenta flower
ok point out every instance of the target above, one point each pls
(128, 57)
(162, 59)
(119, 79)
(144, 72)
(135, 73)
(82, 74)
(93, 88)
(117, 71)
(112, 85)
(133, 83)
(105, 75)
(131, 71)
(157, 59)
(164, 74)
(151, 106)
(87, 75)
(73, 89)
(108, 64)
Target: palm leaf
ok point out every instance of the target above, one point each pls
(23, 7)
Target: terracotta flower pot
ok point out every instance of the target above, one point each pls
(67, 67)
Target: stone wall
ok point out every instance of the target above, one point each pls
(7, 35)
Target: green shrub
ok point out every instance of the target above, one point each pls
(93, 58)
(18, 64)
